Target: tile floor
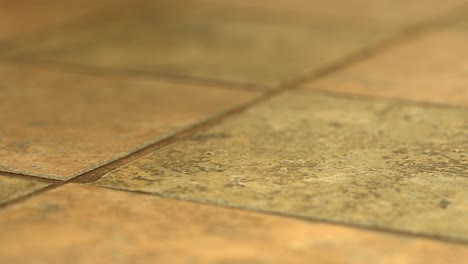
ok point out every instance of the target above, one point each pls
(204, 131)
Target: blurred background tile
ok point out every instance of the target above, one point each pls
(19, 18)
(214, 42)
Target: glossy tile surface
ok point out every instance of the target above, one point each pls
(432, 68)
(15, 187)
(368, 162)
(220, 43)
(135, 228)
(62, 124)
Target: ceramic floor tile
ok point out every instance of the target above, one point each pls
(18, 18)
(431, 68)
(57, 124)
(65, 225)
(13, 187)
(214, 43)
(372, 163)
(399, 12)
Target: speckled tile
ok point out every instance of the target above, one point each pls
(13, 187)
(373, 163)
(227, 44)
(431, 68)
(19, 18)
(57, 124)
(66, 225)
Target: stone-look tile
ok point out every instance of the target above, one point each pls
(57, 124)
(66, 225)
(18, 18)
(432, 68)
(399, 12)
(12, 187)
(213, 43)
(372, 163)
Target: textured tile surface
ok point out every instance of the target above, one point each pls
(145, 229)
(216, 43)
(373, 163)
(60, 124)
(18, 18)
(432, 68)
(12, 187)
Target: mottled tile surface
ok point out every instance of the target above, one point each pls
(368, 162)
(57, 124)
(432, 68)
(216, 43)
(146, 229)
(13, 187)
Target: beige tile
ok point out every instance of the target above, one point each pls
(84, 224)
(13, 187)
(216, 43)
(373, 163)
(19, 18)
(431, 68)
(397, 12)
(57, 124)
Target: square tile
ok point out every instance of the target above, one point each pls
(432, 68)
(14, 187)
(220, 43)
(371, 163)
(67, 224)
(58, 125)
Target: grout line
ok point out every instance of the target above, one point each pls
(97, 173)
(140, 74)
(369, 97)
(406, 35)
(29, 195)
(318, 220)
(29, 177)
